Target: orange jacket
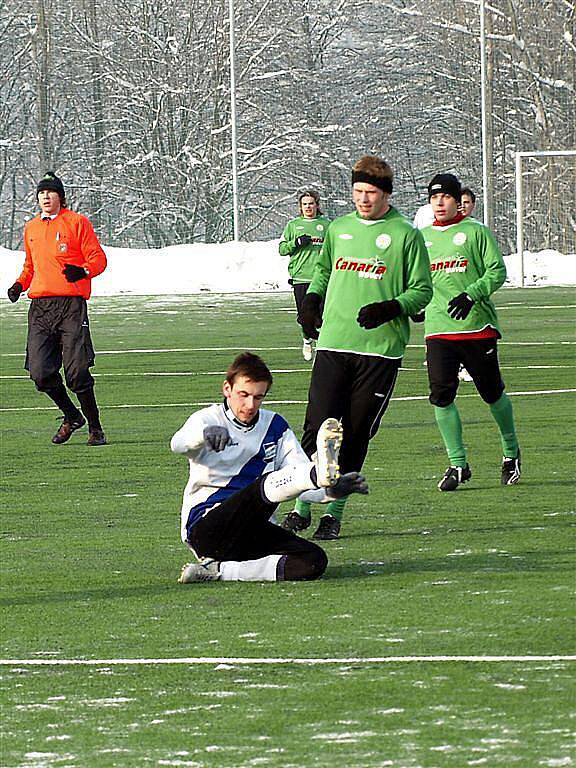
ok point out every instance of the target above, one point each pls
(50, 245)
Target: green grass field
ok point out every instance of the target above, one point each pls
(91, 553)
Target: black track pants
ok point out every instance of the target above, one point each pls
(353, 388)
(479, 357)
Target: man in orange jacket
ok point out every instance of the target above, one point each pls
(62, 256)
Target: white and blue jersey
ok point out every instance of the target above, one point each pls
(264, 446)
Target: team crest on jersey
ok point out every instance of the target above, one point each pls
(62, 247)
(269, 451)
(459, 238)
(320, 227)
(383, 241)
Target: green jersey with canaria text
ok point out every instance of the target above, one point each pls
(464, 258)
(302, 260)
(365, 261)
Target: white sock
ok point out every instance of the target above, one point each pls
(263, 569)
(287, 483)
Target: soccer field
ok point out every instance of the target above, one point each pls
(441, 635)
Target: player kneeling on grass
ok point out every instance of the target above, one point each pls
(245, 460)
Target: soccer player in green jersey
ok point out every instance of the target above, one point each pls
(372, 273)
(461, 327)
(467, 201)
(301, 241)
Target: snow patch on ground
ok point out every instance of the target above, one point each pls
(243, 268)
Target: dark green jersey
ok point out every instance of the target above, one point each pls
(302, 260)
(364, 261)
(464, 258)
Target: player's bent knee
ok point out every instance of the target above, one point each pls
(305, 566)
(80, 382)
(442, 397)
(46, 383)
(492, 394)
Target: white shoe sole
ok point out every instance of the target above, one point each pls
(328, 444)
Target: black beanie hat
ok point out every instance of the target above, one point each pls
(447, 183)
(52, 183)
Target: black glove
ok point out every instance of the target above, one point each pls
(216, 438)
(303, 240)
(14, 291)
(72, 273)
(310, 317)
(373, 315)
(459, 307)
(419, 318)
(351, 482)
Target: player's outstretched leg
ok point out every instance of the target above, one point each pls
(304, 562)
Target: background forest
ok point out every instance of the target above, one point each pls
(129, 101)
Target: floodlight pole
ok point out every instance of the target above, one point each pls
(483, 112)
(234, 143)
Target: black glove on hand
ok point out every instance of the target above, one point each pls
(72, 273)
(216, 438)
(459, 307)
(14, 291)
(311, 315)
(303, 240)
(351, 482)
(419, 318)
(373, 315)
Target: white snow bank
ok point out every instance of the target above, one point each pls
(542, 268)
(242, 268)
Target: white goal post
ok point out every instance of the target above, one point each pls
(520, 157)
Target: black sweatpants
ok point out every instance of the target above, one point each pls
(300, 290)
(479, 357)
(239, 529)
(354, 388)
(59, 335)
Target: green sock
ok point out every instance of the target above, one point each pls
(504, 417)
(336, 508)
(450, 426)
(304, 509)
